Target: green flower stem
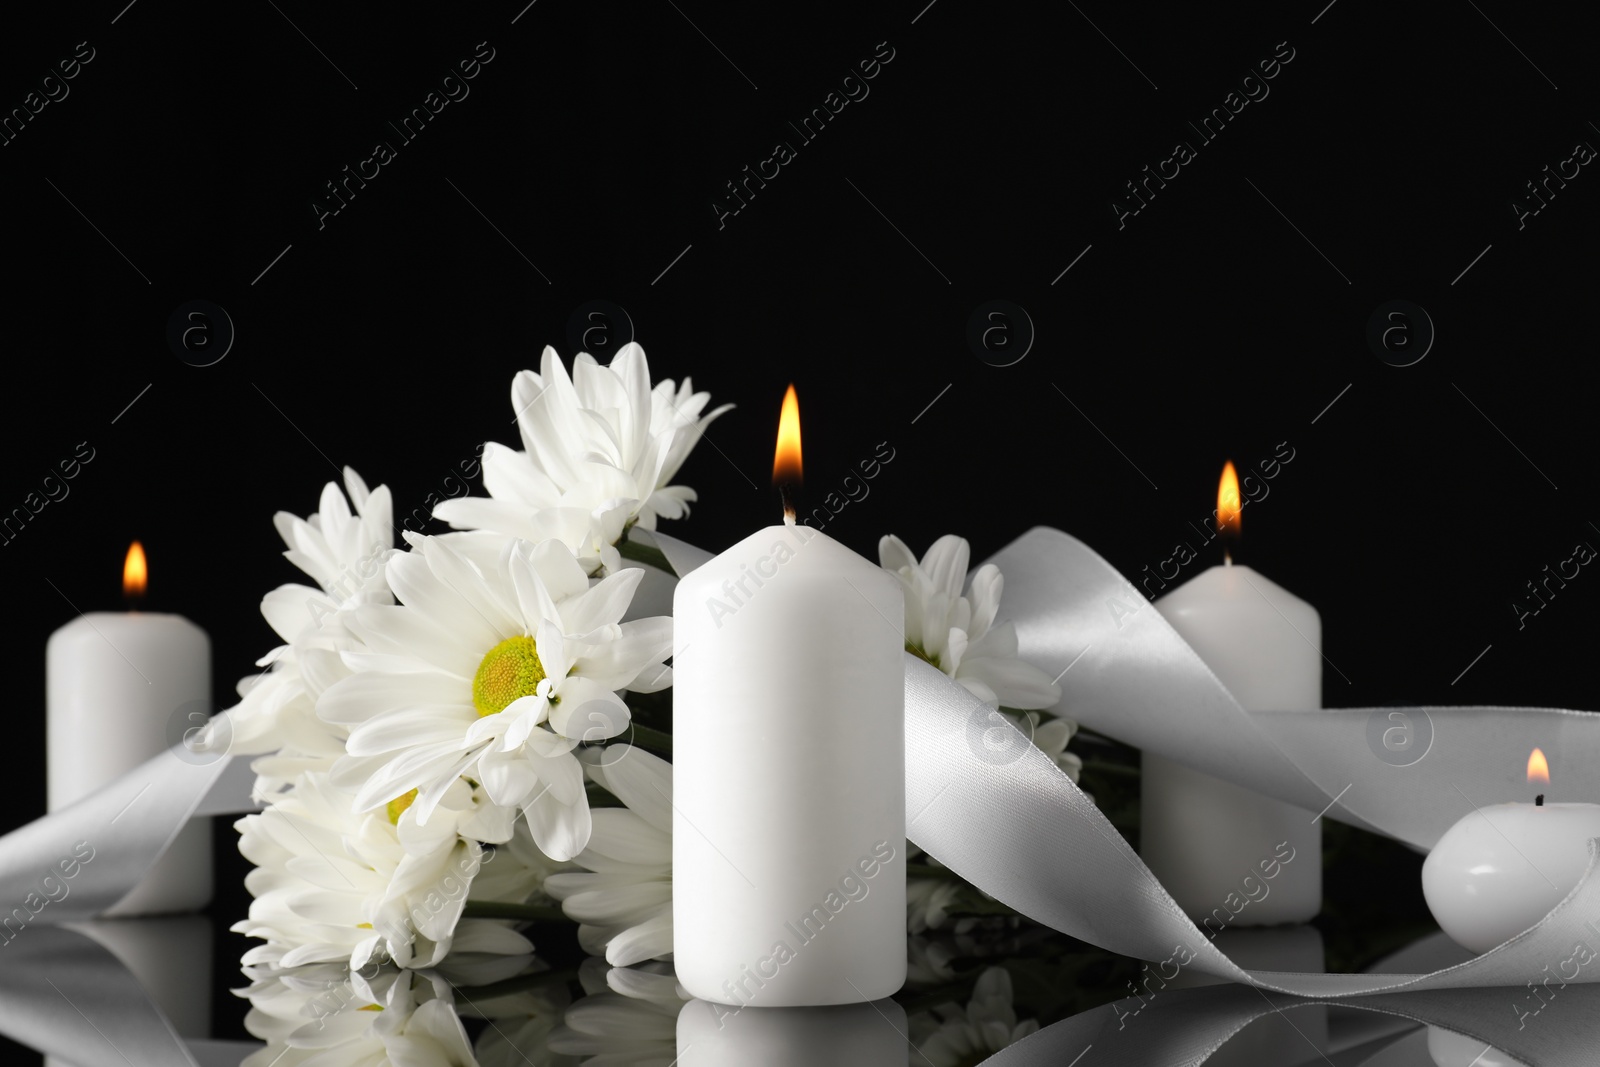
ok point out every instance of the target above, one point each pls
(628, 548)
(491, 909)
(1102, 767)
(1094, 737)
(654, 740)
(520, 983)
(926, 870)
(958, 991)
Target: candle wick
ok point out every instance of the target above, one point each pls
(1227, 558)
(786, 493)
(1538, 801)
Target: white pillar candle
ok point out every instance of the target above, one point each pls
(1502, 868)
(1202, 836)
(789, 751)
(120, 688)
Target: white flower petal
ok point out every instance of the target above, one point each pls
(365, 695)
(604, 603)
(946, 564)
(1014, 683)
(648, 940)
(410, 727)
(588, 711)
(624, 836)
(288, 609)
(510, 477)
(640, 779)
(560, 830)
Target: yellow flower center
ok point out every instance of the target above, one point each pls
(397, 806)
(371, 1007)
(510, 671)
(916, 650)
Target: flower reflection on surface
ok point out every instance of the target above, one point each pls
(628, 1018)
(953, 1036)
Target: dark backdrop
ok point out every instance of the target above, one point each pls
(1220, 320)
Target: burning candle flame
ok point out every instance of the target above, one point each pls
(1538, 767)
(1228, 506)
(786, 466)
(135, 572)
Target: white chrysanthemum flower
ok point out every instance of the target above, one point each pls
(518, 871)
(952, 1036)
(928, 963)
(599, 449)
(958, 634)
(277, 715)
(928, 901)
(623, 897)
(497, 675)
(1051, 736)
(321, 1016)
(332, 885)
(628, 1019)
(344, 552)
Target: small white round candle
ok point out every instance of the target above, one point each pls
(1502, 868)
(788, 833)
(120, 688)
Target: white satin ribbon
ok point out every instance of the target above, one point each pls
(124, 827)
(65, 994)
(1017, 827)
(1025, 834)
(1139, 682)
(1183, 1028)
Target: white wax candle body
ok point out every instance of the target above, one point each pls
(119, 689)
(1502, 868)
(1203, 836)
(789, 769)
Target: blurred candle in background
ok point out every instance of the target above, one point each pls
(1224, 853)
(119, 688)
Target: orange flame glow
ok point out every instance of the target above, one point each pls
(1228, 506)
(1538, 767)
(135, 572)
(786, 466)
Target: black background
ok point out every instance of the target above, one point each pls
(1221, 320)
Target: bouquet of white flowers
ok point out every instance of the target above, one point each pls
(449, 742)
